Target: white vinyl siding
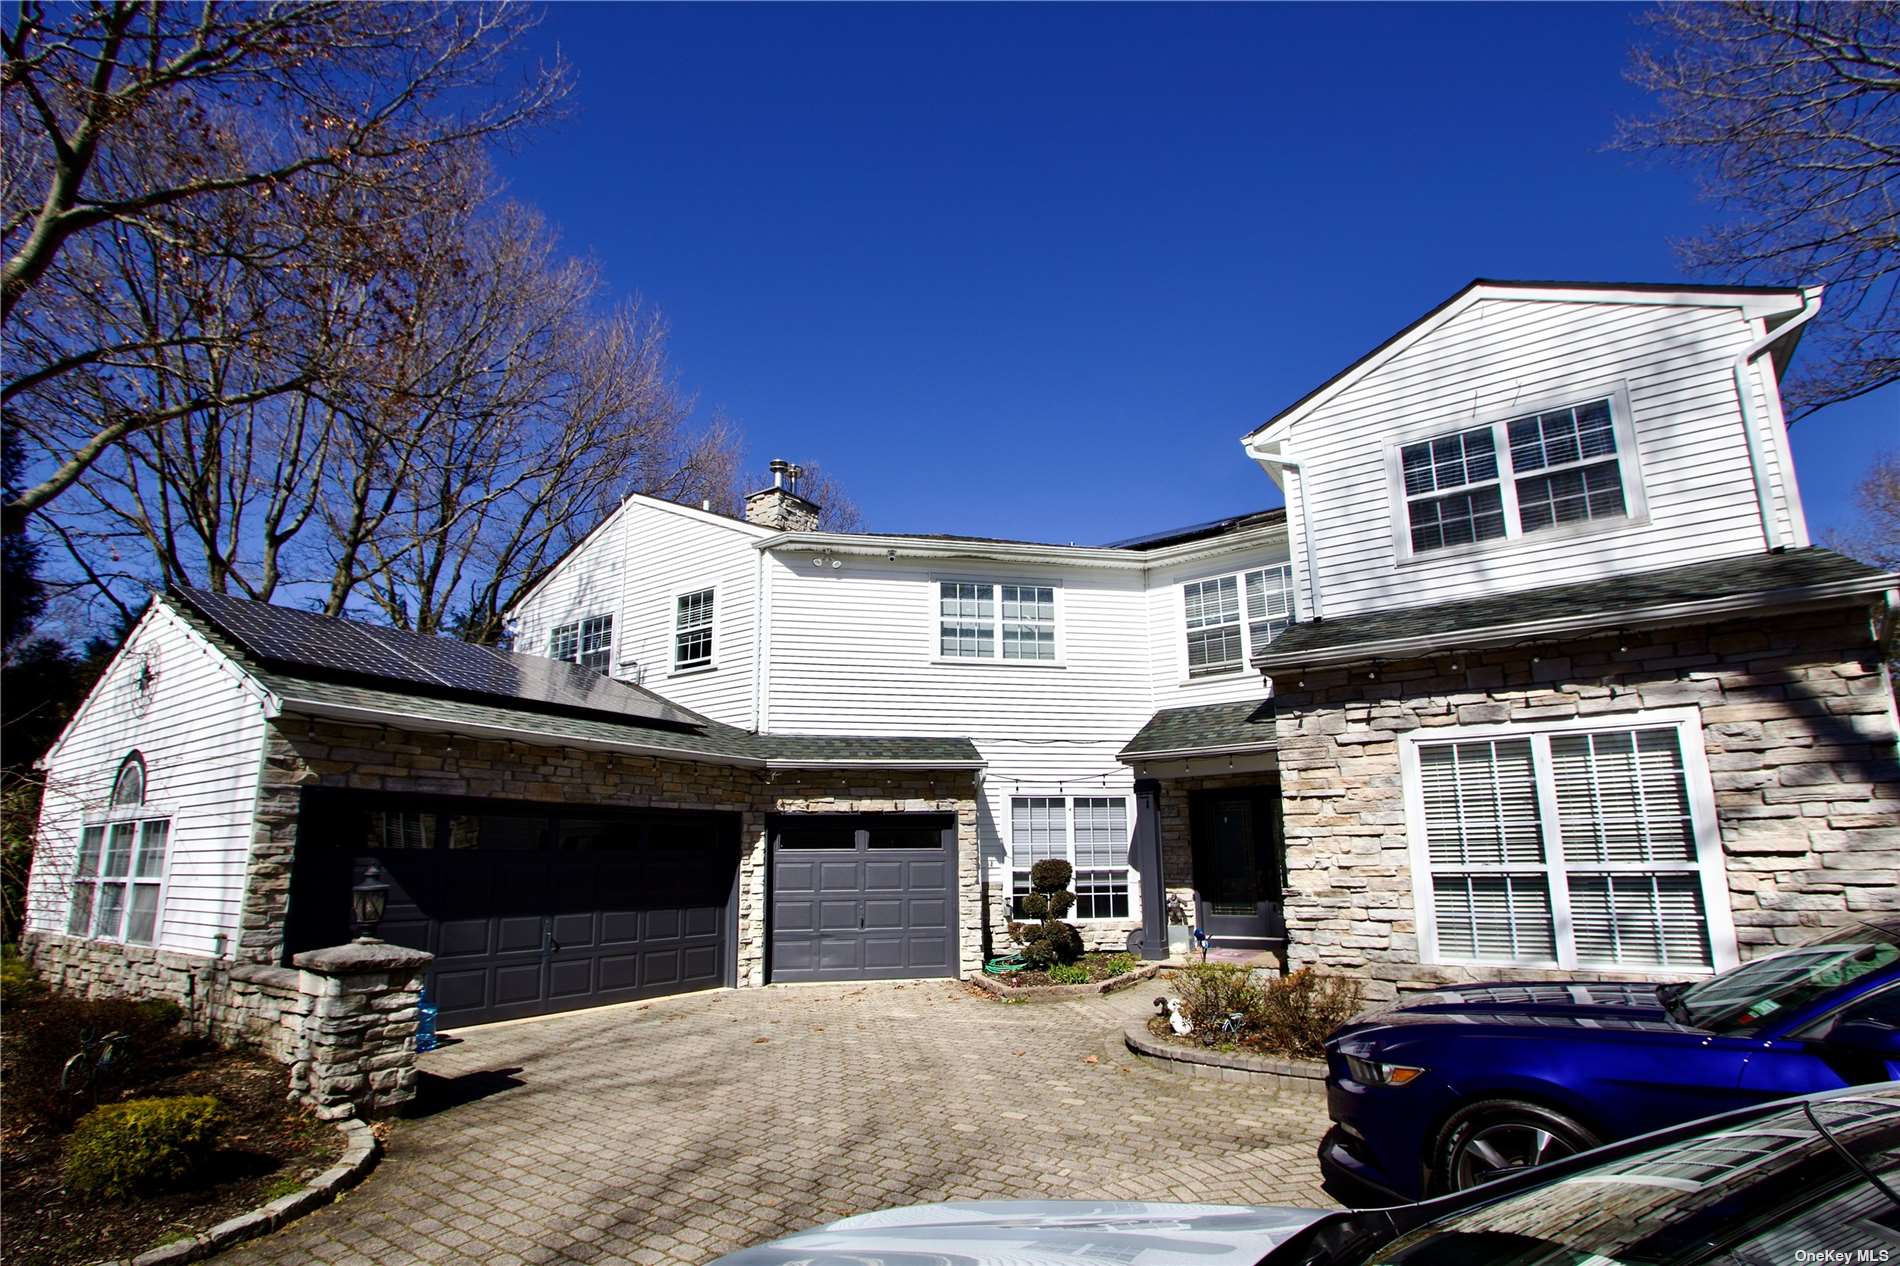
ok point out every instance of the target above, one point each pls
(977, 619)
(1218, 640)
(1579, 847)
(178, 884)
(634, 567)
(693, 630)
(1088, 832)
(1498, 359)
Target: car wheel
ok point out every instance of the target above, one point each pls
(1500, 1136)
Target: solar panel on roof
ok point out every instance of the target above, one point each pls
(331, 645)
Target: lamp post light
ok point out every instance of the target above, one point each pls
(368, 899)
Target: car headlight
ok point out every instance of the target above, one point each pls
(1369, 1072)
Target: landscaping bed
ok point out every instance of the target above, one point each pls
(267, 1148)
(1090, 969)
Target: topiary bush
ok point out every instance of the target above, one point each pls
(118, 1043)
(142, 1145)
(1050, 942)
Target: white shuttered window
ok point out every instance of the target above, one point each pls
(1563, 847)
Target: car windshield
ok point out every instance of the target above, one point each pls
(1746, 1195)
(1749, 995)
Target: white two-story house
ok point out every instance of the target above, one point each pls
(1538, 672)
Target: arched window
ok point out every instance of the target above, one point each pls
(119, 875)
(129, 787)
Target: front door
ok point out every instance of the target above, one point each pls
(1237, 866)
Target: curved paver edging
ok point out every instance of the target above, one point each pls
(1284, 1073)
(1061, 993)
(360, 1153)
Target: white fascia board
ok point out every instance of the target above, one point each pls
(1006, 552)
(1265, 747)
(509, 733)
(1600, 622)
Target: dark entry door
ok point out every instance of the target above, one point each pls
(869, 897)
(528, 913)
(1237, 866)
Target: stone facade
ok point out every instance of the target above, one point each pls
(301, 752)
(357, 1050)
(1797, 722)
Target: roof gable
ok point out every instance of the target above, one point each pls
(1754, 301)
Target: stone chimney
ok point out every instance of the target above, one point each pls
(780, 506)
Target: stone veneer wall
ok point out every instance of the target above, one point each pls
(1797, 724)
(301, 752)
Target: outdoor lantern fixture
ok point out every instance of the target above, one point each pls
(368, 899)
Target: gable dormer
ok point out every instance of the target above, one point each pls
(1524, 435)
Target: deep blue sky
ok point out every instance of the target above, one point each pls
(1032, 271)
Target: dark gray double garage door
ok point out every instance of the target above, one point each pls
(530, 910)
(870, 897)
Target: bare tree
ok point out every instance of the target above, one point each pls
(1875, 537)
(1791, 115)
(151, 128)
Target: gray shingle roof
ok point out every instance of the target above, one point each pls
(700, 739)
(1204, 730)
(1651, 597)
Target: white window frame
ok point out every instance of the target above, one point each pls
(995, 585)
(1248, 646)
(711, 662)
(1710, 863)
(1628, 459)
(104, 820)
(581, 654)
(1129, 874)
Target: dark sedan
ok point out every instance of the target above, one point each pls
(1450, 1089)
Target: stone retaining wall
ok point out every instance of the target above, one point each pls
(1797, 722)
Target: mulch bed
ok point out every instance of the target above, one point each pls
(1096, 964)
(1254, 1043)
(269, 1149)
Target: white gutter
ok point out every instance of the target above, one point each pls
(1187, 753)
(858, 545)
(1751, 422)
(435, 725)
(1286, 461)
(1598, 621)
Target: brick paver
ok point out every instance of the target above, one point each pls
(681, 1129)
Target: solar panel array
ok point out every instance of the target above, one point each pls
(329, 645)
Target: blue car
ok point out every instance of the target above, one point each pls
(1447, 1090)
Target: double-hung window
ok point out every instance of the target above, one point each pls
(1572, 847)
(119, 874)
(986, 620)
(693, 630)
(1519, 475)
(588, 642)
(1088, 832)
(1219, 640)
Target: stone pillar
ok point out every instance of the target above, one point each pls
(356, 1055)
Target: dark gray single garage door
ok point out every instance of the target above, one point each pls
(528, 913)
(870, 897)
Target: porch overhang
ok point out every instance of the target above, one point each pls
(1751, 585)
(1243, 728)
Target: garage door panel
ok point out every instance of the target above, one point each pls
(883, 908)
(624, 907)
(521, 983)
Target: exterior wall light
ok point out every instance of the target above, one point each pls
(368, 900)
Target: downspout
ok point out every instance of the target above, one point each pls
(761, 632)
(1286, 461)
(1751, 422)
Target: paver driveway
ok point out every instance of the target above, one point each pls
(681, 1129)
